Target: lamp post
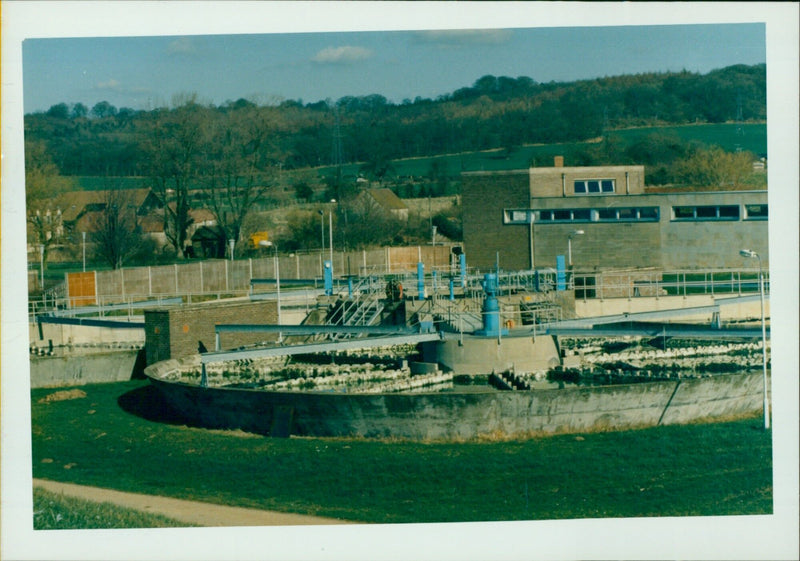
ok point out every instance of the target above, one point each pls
(750, 254)
(41, 267)
(83, 234)
(330, 231)
(322, 230)
(267, 243)
(569, 245)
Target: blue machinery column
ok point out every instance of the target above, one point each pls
(421, 281)
(561, 273)
(328, 278)
(491, 308)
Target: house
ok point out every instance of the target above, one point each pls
(74, 212)
(387, 201)
(605, 217)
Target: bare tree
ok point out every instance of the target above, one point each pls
(115, 232)
(239, 175)
(43, 184)
(174, 150)
(362, 222)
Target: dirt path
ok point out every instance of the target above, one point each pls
(192, 512)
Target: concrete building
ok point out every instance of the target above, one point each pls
(527, 218)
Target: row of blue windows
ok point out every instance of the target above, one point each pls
(720, 212)
(624, 214)
(636, 214)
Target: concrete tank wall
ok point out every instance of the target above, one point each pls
(460, 415)
(94, 368)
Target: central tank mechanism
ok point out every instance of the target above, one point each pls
(491, 308)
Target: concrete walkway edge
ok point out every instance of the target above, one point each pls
(191, 512)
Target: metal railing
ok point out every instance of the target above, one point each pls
(636, 283)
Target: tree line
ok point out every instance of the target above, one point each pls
(231, 155)
(495, 112)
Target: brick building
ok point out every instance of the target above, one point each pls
(527, 217)
(177, 332)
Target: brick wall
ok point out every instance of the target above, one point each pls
(603, 245)
(175, 332)
(548, 182)
(484, 196)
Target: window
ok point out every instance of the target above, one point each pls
(516, 216)
(706, 212)
(585, 287)
(582, 214)
(756, 212)
(593, 186)
(728, 212)
(625, 214)
(648, 213)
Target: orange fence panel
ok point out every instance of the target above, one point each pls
(82, 289)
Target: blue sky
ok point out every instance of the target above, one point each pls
(145, 72)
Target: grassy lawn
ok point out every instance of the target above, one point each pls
(53, 511)
(121, 436)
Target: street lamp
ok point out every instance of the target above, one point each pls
(750, 254)
(267, 243)
(322, 231)
(41, 267)
(569, 244)
(330, 231)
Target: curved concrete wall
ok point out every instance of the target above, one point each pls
(484, 355)
(460, 415)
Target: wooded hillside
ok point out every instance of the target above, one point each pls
(495, 112)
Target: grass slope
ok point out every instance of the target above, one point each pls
(53, 511)
(121, 436)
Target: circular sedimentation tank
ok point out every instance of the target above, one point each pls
(387, 401)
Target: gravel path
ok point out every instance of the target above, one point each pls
(192, 512)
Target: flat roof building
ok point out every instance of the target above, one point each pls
(525, 219)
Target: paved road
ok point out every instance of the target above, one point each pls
(191, 512)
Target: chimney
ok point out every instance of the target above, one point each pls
(558, 161)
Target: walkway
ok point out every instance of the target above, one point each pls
(191, 512)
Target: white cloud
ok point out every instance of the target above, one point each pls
(455, 37)
(341, 55)
(182, 46)
(111, 84)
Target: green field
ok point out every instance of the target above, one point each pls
(729, 136)
(121, 436)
